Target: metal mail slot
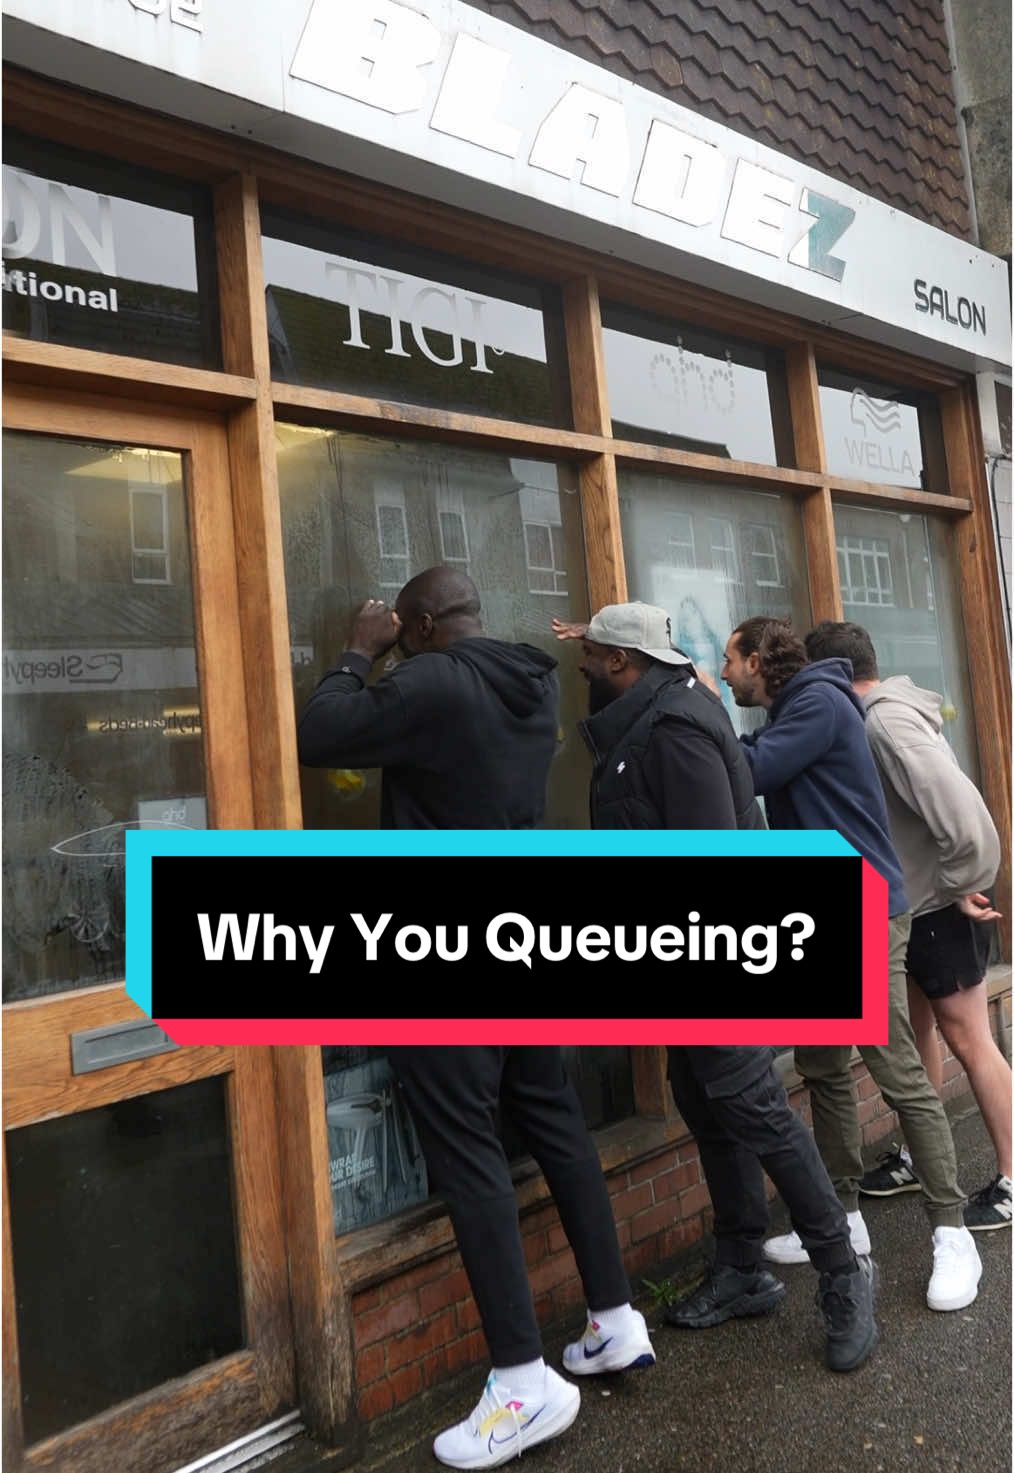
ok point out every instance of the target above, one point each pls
(119, 1043)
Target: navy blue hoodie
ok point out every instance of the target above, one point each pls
(465, 735)
(813, 767)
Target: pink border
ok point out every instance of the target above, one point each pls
(871, 1027)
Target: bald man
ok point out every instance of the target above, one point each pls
(464, 728)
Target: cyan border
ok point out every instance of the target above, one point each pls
(145, 845)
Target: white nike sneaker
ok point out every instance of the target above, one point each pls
(957, 1269)
(596, 1351)
(503, 1426)
(789, 1249)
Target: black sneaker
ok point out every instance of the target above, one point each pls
(893, 1173)
(729, 1293)
(846, 1302)
(991, 1208)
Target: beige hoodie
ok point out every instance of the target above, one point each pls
(946, 841)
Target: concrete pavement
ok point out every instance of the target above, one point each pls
(752, 1396)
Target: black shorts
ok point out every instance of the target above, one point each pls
(947, 951)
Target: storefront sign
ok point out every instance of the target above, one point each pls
(440, 99)
(56, 671)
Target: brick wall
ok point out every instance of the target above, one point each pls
(421, 1326)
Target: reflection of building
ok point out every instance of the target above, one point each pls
(365, 341)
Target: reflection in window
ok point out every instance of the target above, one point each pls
(353, 312)
(102, 726)
(748, 558)
(361, 516)
(898, 582)
(673, 384)
(864, 567)
(102, 255)
(880, 432)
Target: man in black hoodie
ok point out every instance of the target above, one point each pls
(465, 730)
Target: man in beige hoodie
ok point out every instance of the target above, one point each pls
(949, 853)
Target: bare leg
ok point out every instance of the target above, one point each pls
(964, 1021)
(924, 1026)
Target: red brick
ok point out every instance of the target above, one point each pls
(406, 1383)
(425, 1273)
(623, 1232)
(556, 1239)
(625, 1204)
(543, 1307)
(466, 1351)
(689, 1152)
(655, 1220)
(420, 1339)
(371, 1363)
(378, 1324)
(677, 1180)
(618, 1182)
(446, 1290)
(645, 1170)
(552, 1271)
(467, 1316)
(376, 1400)
(368, 1299)
(535, 1246)
(867, 1087)
(694, 1200)
(867, 1111)
(435, 1367)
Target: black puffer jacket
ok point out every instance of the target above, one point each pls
(666, 757)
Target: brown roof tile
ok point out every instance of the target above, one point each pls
(860, 89)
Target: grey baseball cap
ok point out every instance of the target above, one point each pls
(637, 626)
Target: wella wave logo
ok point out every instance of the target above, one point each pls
(878, 419)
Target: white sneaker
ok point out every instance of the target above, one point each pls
(596, 1351)
(957, 1269)
(504, 1426)
(789, 1249)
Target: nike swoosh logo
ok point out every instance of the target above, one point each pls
(591, 1354)
(499, 1441)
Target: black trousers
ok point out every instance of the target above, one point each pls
(741, 1117)
(453, 1093)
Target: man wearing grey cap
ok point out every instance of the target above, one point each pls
(666, 757)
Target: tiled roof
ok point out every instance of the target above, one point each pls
(860, 89)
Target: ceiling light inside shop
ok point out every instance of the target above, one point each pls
(134, 464)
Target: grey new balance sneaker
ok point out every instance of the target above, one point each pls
(893, 1173)
(846, 1301)
(991, 1208)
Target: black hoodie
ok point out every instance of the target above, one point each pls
(465, 736)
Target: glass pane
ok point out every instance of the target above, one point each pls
(102, 727)
(672, 384)
(879, 432)
(343, 494)
(356, 313)
(604, 1078)
(693, 550)
(376, 1162)
(123, 1237)
(898, 581)
(102, 255)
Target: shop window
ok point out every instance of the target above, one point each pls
(898, 581)
(124, 1234)
(102, 727)
(376, 1163)
(673, 384)
(360, 516)
(875, 431)
(353, 312)
(101, 255)
(712, 556)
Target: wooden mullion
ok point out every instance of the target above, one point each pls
(321, 1304)
(653, 1097)
(600, 501)
(810, 455)
(13, 1433)
(986, 645)
(253, 462)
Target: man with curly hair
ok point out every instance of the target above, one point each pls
(813, 766)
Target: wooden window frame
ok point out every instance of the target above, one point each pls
(325, 1271)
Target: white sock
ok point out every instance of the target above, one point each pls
(613, 1321)
(855, 1218)
(1006, 1183)
(527, 1380)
